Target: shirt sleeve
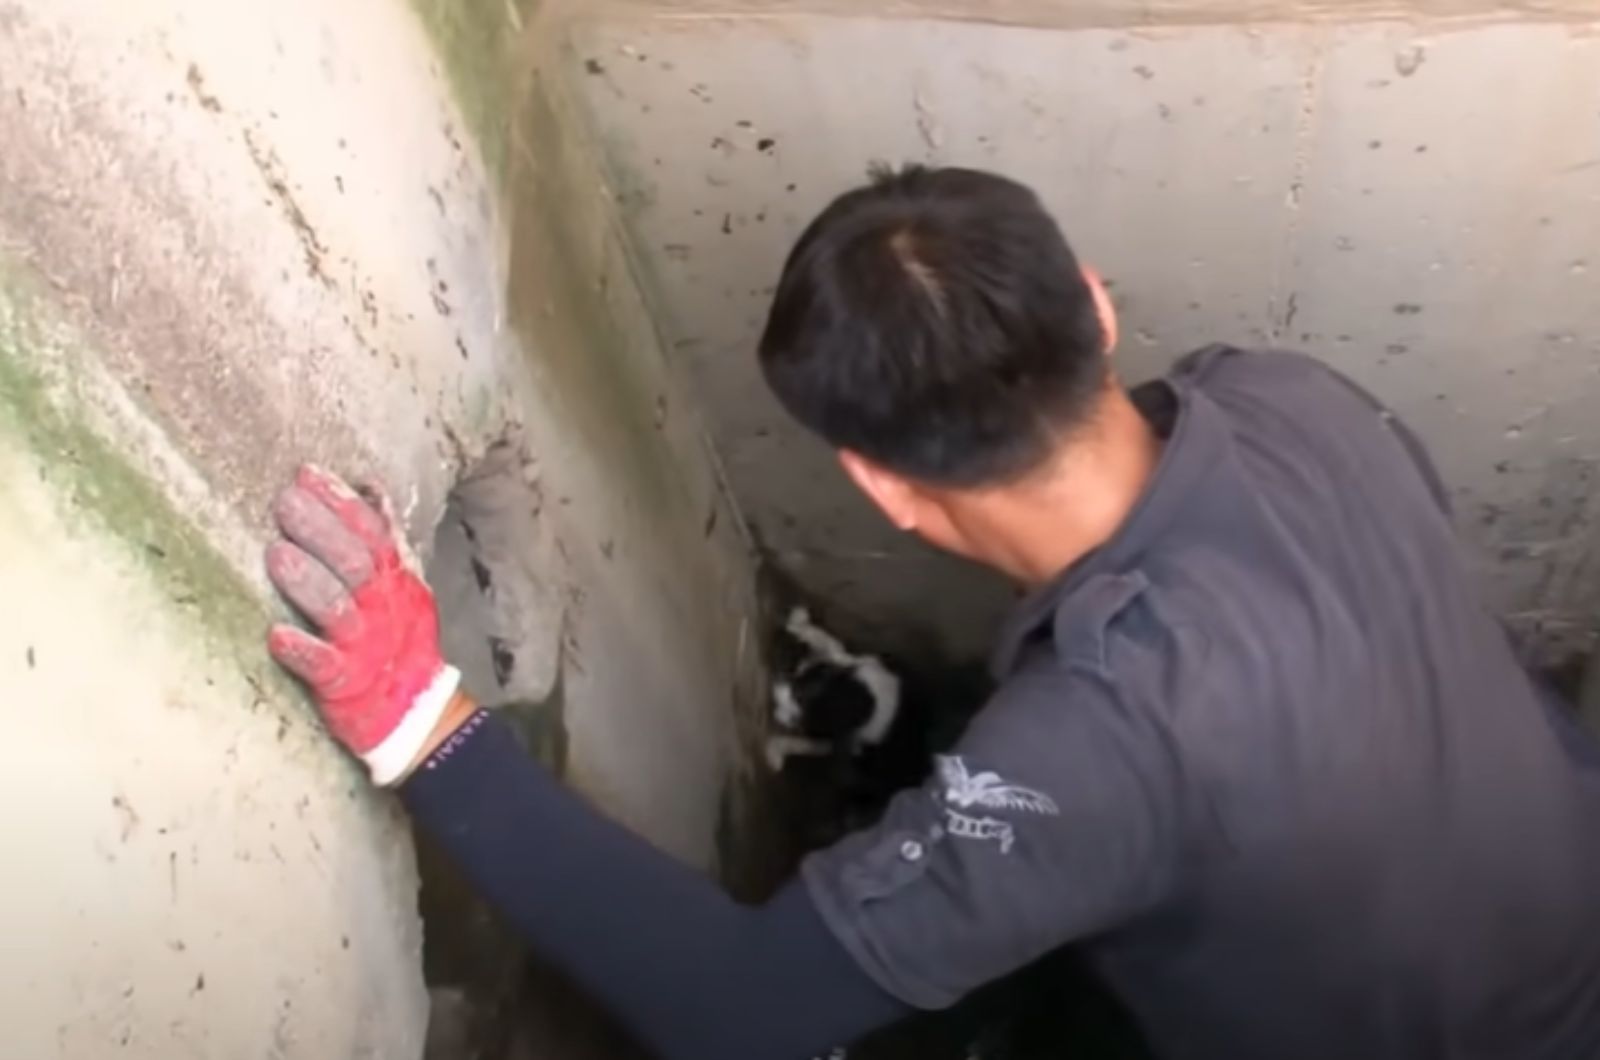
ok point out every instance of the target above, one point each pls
(1056, 817)
(693, 974)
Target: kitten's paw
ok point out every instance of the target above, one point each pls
(785, 708)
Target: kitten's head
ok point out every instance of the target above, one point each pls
(833, 703)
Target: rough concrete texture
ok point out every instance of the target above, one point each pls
(661, 613)
(1081, 14)
(1416, 202)
(233, 236)
(191, 870)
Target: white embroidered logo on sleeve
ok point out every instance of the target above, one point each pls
(965, 790)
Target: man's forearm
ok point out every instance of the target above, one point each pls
(692, 973)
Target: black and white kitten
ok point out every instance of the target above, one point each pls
(852, 728)
(831, 701)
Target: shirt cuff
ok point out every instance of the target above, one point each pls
(457, 767)
(852, 886)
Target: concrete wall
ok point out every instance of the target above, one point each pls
(235, 235)
(1416, 199)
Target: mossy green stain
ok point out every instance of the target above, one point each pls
(596, 363)
(477, 40)
(474, 39)
(99, 485)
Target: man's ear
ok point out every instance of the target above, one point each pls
(1104, 307)
(893, 495)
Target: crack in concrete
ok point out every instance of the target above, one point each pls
(271, 173)
(1280, 320)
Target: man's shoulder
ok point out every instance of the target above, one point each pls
(1044, 682)
(1221, 368)
(1279, 393)
(1095, 627)
(1307, 388)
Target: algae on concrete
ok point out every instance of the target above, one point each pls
(101, 486)
(474, 39)
(572, 325)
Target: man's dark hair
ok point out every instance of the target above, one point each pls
(936, 322)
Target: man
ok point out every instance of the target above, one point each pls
(1257, 749)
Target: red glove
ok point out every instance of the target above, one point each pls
(376, 672)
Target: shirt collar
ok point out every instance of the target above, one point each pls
(1198, 435)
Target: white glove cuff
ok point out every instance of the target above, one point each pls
(391, 759)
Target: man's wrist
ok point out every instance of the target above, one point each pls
(399, 751)
(456, 714)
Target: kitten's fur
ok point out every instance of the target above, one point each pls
(852, 728)
(832, 701)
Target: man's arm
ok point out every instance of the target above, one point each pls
(1058, 816)
(692, 973)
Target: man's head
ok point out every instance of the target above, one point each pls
(936, 329)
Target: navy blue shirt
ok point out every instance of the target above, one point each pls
(1267, 760)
